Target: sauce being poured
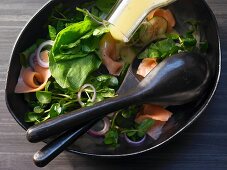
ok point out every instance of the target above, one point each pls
(129, 14)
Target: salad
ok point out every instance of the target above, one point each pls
(80, 63)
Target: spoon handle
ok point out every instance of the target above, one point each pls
(79, 117)
(42, 157)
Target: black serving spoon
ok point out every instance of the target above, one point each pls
(52, 149)
(176, 80)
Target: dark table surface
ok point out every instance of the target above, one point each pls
(202, 146)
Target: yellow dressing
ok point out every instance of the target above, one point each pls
(129, 14)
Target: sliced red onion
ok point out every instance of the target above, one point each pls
(102, 132)
(38, 52)
(82, 89)
(32, 59)
(134, 143)
(111, 115)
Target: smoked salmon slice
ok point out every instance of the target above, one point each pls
(32, 80)
(156, 129)
(146, 66)
(114, 67)
(166, 14)
(109, 55)
(154, 112)
(157, 113)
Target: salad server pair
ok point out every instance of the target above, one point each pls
(175, 81)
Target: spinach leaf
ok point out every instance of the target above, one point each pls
(101, 30)
(74, 48)
(73, 55)
(72, 73)
(69, 35)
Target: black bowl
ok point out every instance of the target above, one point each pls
(183, 115)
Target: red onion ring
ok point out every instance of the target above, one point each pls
(134, 143)
(39, 60)
(32, 59)
(82, 89)
(102, 132)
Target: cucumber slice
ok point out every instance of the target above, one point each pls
(153, 29)
(127, 54)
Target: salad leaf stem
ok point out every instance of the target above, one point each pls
(93, 17)
(114, 118)
(62, 19)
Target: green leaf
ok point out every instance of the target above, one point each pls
(131, 111)
(189, 42)
(99, 98)
(90, 44)
(95, 11)
(70, 35)
(108, 80)
(60, 26)
(105, 6)
(173, 36)
(52, 32)
(144, 127)
(89, 15)
(47, 85)
(87, 4)
(24, 56)
(28, 97)
(123, 122)
(111, 137)
(165, 46)
(113, 82)
(74, 48)
(160, 49)
(38, 109)
(55, 110)
(194, 24)
(101, 30)
(107, 92)
(44, 97)
(131, 133)
(73, 73)
(32, 117)
(73, 56)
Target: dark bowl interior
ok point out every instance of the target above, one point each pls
(183, 115)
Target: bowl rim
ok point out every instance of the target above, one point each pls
(195, 117)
